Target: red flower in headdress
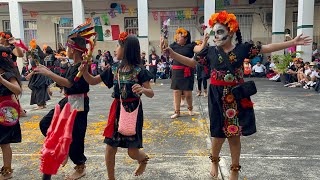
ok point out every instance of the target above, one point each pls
(222, 17)
(2, 34)
(8, 36)
(123, 36)
(4, 54)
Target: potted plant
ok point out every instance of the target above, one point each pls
(283, 62)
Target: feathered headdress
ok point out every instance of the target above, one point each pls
(84, 31)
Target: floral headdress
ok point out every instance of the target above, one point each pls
(6, 35)
(226, 19)
(182, 31)
(34, 51)
(122, 37)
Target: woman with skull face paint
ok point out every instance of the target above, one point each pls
(182, 75)
(230, 118)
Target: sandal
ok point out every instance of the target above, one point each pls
(176, 114)
(6, 172)
(191, 113)
(142, 166)
(214, 160)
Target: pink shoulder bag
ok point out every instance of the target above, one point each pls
(127, 120)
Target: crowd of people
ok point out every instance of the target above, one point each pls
(230, 116)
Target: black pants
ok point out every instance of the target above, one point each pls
(204, 82)
(76, 152)
(261, 74)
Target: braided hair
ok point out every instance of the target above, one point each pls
(239, 36)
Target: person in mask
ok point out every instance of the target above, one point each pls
(229, 118)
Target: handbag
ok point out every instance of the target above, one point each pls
(127, 120)
(241, 91)
(9, 113)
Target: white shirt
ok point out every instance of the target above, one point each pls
(272, 65)
(307, 71)
(315, 73)
(259, 69)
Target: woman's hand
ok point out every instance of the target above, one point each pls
(169, 51)
(41, 69)
(1, 78)
(12, 40)
(302, 40)
(206, 38)
(137, 88)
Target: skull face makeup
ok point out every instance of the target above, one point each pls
(221, 35)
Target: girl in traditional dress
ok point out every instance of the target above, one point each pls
(182, 75)
(230, 118)
(76, 93)
(134, 81)
(202, 75)
(7, 40)
(10, 86)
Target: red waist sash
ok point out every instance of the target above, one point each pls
(108, 131)
(187, 70)
(62, 70)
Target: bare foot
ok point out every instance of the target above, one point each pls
(214, 170)
(142, 166)
(80, 171)
(234, 175)
(6, 173)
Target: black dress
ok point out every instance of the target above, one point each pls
(8, 134)
(203, 69)
(38, 84)
(137, 75)
(76, 152)
(228, 117)
(179, 81)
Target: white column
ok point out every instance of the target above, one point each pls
(305, 26)
(16, 19)
(78, 12)
(209, 9)
(143, 25)
(278, 22)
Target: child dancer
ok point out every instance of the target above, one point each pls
(76, 93)
(134, 81)
(10, 86)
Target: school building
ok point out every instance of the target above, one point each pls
(50, 21)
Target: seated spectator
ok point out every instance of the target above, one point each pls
(314, 76)
(291, 75)
(315, 52)
(247, 68)
(259, 70)
(161, 70)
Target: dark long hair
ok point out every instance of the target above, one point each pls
(7, 65)
(131, 54)
(239, 36)
(188, 41)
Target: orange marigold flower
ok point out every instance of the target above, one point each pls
(233, 26)
(2, 34)
(33, 44)
(222, 17)
(123, 36)
(231, 17)
(4, 54)
(8, 36)
(182, 31)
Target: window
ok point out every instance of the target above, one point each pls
(63, 30)
(30, 29)
(131, 25)
(188, 24)
(294, 24)
(245, 25)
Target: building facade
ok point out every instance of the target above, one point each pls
(50, 21)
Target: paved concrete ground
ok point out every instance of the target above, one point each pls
(286, 146)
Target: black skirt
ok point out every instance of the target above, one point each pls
(10, 134)
(217, 114)
(179, 82)
(119, 140)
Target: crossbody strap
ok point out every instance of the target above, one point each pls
(226, 59)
